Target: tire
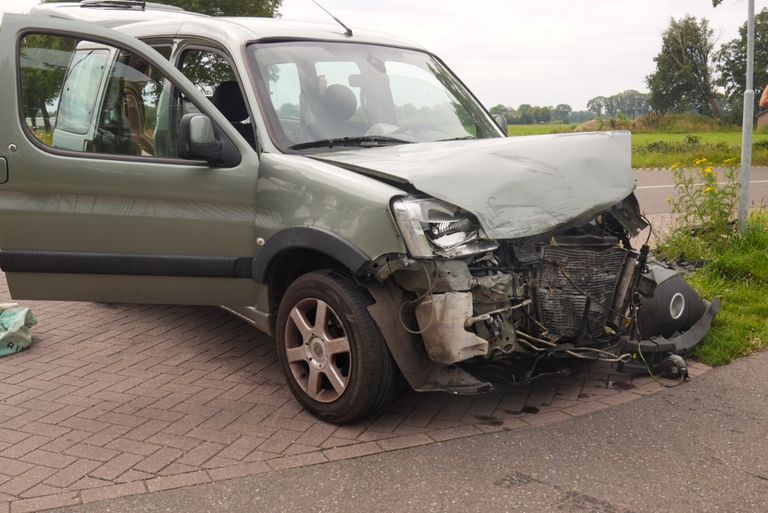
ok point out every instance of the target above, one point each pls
(344, 371)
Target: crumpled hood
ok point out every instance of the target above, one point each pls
(517, 187)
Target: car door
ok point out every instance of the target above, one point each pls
(95, 203)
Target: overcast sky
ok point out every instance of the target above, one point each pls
(541, 52)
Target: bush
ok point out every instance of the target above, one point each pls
(693, 140)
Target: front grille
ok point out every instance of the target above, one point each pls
(593, 270)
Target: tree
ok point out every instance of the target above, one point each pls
(631, 103)
(542, 114)
(562, 113)
(499, 109)
(732, 64)
(44, 61)
(683, 78)
(526, 112)
(597, 105)
(264, 8)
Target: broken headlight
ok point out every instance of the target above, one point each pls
(432, 227)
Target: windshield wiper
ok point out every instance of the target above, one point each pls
(366, 141)
(462, 138)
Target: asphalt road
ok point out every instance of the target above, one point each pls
(699, 447)
(654, 186)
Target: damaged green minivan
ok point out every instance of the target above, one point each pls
(343, 192)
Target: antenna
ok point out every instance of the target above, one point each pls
(348, 31)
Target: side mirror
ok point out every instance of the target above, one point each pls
(199, 139)
(501, 121)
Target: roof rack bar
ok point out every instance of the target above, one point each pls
(120, 4)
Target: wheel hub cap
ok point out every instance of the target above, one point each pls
(316, 352)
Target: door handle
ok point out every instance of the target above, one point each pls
(3, 170)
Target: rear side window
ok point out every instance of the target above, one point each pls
(80, 92)
(87, 97)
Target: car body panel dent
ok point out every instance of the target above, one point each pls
(517, 187)
(294, 191)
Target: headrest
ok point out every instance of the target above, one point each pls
(339, 102)
(228, 98)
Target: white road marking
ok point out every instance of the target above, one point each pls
(672, 186)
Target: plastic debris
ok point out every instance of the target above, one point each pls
(15, 322)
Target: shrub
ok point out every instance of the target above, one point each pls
(692, 139)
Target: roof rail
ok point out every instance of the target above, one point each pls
(119, 4)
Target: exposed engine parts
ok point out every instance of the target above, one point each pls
(572, 295)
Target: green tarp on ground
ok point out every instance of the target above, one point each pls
(15, 322)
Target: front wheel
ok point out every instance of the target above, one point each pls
(332, 353)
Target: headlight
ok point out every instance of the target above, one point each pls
(432, 227)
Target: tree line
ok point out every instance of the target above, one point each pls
(694, 75)
(629, 104)
(527, 114)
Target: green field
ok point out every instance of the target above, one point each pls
(661, 149)
(515, 130)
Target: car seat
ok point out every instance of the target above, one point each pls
(228, 98)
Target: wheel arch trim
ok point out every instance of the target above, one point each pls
(315, 239)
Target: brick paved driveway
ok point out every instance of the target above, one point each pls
(115, 400)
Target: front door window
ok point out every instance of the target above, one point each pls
(88, 97)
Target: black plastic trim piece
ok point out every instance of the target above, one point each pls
(60, 262)
(305, 237)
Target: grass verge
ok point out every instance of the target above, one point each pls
(738, 274)
(664, 149)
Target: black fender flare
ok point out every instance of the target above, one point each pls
(308, 237)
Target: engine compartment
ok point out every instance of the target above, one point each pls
(576, 295)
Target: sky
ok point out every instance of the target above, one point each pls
(541, 52)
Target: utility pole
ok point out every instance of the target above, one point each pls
(747, 123)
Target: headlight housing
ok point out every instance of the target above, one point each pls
(431, 227)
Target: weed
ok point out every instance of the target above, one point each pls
(735, 266)
(703, 208)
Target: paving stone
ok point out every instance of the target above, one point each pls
(71, 474)
(117, 400)
(49, 502)
(48, 459)
(243, 469)
(300, 460)
(177, 481)
(26, 480)
(112, 492)
(352, 451)
(91, 452)
(25, 447)
(585, 408)
(402, 442)
(116, 466)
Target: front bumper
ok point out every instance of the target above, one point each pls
(656, 349)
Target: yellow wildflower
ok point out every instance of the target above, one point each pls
(709, 189)
(676, 165)
(708, 170)
(728, 161)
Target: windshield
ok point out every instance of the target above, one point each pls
(329, 95)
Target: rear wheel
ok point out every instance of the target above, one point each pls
(333, 355)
